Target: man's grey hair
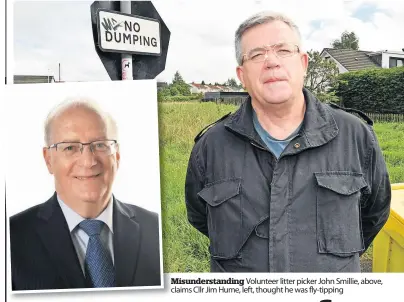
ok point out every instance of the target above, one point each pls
(79, 102)
(257, 19)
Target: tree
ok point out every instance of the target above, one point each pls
(348, 40)
(321, 77)
(178, 85)
(178, 78)
(183, 89)
(231, 83)
(174, 91)
(163, 93)
(203, 82)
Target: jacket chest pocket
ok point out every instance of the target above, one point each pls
(224, 214)
(339, 229)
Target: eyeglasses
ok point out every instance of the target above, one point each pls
(260, 54)
(75, 149)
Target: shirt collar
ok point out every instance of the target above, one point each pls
(264, 134)
(318, 127)
(73, 219)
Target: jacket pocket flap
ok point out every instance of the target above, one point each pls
(218, 192)
(344, 183)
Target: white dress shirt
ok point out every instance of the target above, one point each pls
(80, 238)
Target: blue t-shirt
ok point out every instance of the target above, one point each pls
(274, 145)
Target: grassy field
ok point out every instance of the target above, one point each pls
(185, 249)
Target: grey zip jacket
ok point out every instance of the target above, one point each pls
(315, 209)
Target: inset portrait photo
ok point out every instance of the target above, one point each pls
(83, 186)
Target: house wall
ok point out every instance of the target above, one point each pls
(193, 89)
(161, 85)
(386, 57)
(385, 60)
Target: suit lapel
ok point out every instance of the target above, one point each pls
(54, 233)
(126, 243)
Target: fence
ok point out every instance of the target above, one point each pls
(386, 117)
(226, 97)
(230, 101)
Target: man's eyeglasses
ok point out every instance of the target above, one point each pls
(260, 54)
(75, 149)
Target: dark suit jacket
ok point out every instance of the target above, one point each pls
(43, 255)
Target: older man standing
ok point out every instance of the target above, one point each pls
(286, 183)
(83, 236)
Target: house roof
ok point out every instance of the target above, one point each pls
(199, 86)
(353, 59)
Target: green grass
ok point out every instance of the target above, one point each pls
(391, 138)
(185, 249)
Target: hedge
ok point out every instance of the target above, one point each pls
(180, 98)
(373, 90)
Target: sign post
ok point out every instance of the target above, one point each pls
(130, 38)
(126, 58)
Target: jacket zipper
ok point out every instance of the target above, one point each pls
(270, 239)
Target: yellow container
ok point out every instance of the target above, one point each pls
(388, 246)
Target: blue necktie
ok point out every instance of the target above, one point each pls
(98, 263)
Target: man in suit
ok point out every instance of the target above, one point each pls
(83, 236)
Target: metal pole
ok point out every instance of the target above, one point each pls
(126, 61)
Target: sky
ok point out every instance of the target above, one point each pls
(46, 33)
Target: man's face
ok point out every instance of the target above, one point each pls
(276, 80)
(87, 177)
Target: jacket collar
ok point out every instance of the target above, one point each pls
(54, 235)
(319, 126)
(127, 239)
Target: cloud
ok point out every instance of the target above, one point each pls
(202, 33)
